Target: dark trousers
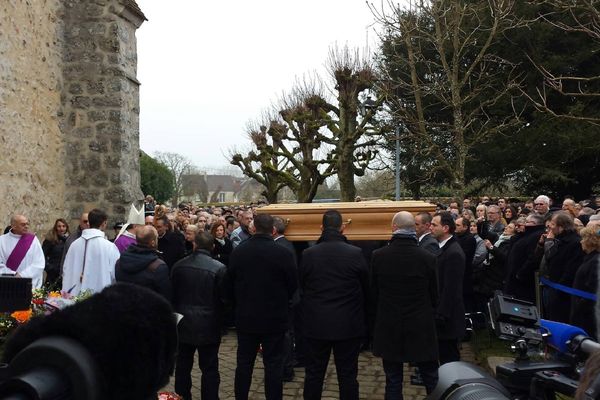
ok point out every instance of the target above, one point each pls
(449, 350)
(345, 355)
(208, 361)
(288, 355)
(273, 352)
(394, 374)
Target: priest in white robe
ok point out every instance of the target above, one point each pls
(21, 252)
(90, 261)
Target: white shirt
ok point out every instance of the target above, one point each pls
(32, 265)
(100, 259)
(443, 242)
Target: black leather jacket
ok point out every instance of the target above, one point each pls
(198, 295)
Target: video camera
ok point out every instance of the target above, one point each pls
(118, 344)
(519, 322)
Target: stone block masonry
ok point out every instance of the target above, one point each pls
(69, 108)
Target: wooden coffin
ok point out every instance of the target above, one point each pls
(365, 220)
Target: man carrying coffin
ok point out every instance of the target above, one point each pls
(21, 252)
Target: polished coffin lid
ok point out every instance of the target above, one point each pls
(365, 220)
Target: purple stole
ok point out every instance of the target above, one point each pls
(19, 252)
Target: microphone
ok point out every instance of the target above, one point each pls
(567, 338)
(118, 344)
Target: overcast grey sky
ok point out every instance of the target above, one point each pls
(209, 67)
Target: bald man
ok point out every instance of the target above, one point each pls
(140, 264)
(21, 252)
(405, 295)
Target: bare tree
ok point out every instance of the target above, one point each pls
(441, 80)
(581, 17)
(262, 163)
(351, 124)
(179, 166)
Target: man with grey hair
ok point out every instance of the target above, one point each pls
(541, 205)
(404, 325)
(495, 224)
(21, 252)
(568, 205)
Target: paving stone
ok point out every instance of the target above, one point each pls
(371, 377)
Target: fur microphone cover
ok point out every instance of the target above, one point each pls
(129, 330)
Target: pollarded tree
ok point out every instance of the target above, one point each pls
(262, 163)
(354, 136)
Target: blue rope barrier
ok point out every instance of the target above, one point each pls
(568, 290)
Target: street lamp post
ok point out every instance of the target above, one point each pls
(397, 139)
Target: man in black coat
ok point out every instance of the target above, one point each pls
(334, 285)
(468, 244)
(261, 280)
(450, 314)
(199, 297)
(562, 261)
(522, 260)
(141, 265)
(170, 244)
(423, 229)
(288, 359)
(404, 297)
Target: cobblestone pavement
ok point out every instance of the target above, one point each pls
(370, 377)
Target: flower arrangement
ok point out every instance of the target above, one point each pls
(43, 302)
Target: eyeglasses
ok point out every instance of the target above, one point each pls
(201, 220)
(539, 204)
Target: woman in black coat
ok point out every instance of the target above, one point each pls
(53, 246)
(586, 279)
(223, 246)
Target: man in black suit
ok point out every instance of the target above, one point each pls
(288, 359)
(468, 244)
(261, 280)
(450, 314)
(423, 229)
(334, 284)
(170, 244)
(404, 296)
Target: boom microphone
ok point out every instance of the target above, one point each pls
(567, 338)
(118, 344)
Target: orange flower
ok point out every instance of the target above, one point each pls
(22, 316)
(54, 294)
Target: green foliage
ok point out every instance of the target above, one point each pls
(157, 179)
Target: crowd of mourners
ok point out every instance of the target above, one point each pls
(295, 303)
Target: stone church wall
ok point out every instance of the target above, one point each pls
(32, 161)
(69, 109)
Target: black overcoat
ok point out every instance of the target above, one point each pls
(334, 284)
(261, 280)
(450, 314)
(522, 262)
(404, 296)
(562, 262)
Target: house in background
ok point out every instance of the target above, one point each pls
(204, 188)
